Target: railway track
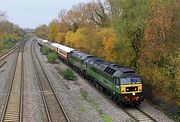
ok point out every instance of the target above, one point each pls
(6, 54)
(53, 106)
(12, 110)
(139, 115)
(134, 112)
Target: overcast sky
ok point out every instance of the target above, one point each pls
(32, 13)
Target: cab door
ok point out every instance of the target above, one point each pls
(117, 85)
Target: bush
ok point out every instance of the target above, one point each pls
(9, 41)
(44, 50)
(69, 74)
(52, 57)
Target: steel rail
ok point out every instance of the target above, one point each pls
(40, 87)
(10, 90)
(22, 84)
(7, 53)
(49, 83)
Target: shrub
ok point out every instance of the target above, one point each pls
(9, 41)
(69, 74)
(44, 50)
(52, 57)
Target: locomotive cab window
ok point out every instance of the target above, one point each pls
(117, 81)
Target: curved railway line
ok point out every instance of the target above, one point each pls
(53, 106)
(12, 110)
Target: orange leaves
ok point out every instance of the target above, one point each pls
(157, 33)
(155, 62)
(60, 38)
(53, 30)
(98, 42)
(42, 31)
(108, 39)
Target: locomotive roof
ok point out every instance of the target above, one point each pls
(109, 68)
(81, 55)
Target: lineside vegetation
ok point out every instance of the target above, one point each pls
(10, 33)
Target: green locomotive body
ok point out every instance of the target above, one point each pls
(121, 82)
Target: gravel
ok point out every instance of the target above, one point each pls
(156, 114)
(33, 106)
(5, 71)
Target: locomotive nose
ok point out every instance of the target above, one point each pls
(131, 89)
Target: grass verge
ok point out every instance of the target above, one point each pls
(94, 105)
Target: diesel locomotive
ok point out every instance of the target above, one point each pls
(121, 82)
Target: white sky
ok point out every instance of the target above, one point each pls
(32, 13)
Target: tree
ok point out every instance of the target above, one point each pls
(60, 38)
(158, 61)
(2, 15)
(129, 23)
(53, 30)
(42, 31)
(107, 36)
(99, 15)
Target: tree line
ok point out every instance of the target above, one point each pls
(10, 33)
(142, 34)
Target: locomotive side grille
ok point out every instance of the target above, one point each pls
(131, 89)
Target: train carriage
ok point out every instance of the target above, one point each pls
(64, 51)
(48, 44)
(54, 47)
(40, 41)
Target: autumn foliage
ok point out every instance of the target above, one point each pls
(142, 34)
(10, 33)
